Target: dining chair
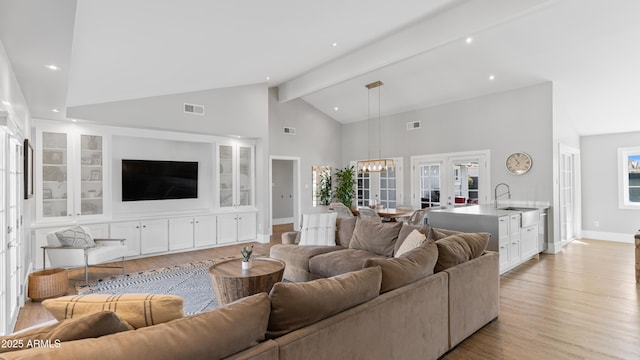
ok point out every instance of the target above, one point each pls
(341, 209)
(369, 214)
(418, 217)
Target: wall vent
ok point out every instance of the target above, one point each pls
(413, 125)
(289, 130)
(193, 109)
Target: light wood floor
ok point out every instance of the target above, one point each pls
(582, 303)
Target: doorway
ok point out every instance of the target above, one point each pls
(285, 190)
(569, 183)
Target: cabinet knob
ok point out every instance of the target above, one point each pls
(144, 226)
(137, 227)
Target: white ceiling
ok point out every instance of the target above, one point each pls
(126, 49)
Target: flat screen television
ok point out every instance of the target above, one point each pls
(159, 180)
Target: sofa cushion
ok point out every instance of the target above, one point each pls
(339, 262)
(214, 334)
(89, 326)
(296, 305)
(345, 227)
(406, 229)
(376, 237)
(318, 229)
(459, 248)
(437, 233)
(139, 310)
(298, 256)
(75, 237)
(412, 241)
(408, 267)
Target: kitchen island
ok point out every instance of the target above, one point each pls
(517, 232)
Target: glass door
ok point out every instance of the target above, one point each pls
(4, 249)
(91, 175)
(54, 175)
(14, 230)
(225, 175)
(429, 185)
(245, 175)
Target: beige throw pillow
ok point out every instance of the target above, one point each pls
(296, 305)
(376, 237)
(459, 248)
(89, 326)
(415, 239)
(139, 310)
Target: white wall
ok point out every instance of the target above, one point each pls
(518, 120)
(318, 140)
(600, 188)
(124, 147)
(236, 112)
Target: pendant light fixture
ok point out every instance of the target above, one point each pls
(379, 164)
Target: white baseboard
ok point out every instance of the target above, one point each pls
(608, 236)
(281, 221)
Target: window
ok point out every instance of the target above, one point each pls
(382, 188)
(629, 172)
(429, 185)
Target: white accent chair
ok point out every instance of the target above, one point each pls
(106, 250)
(341, 209)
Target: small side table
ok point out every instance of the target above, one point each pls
(230, 282)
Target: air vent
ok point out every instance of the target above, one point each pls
(194, 109)
(413, 125)
(289, 130)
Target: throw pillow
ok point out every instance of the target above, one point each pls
(406, 229)
(415, 239)
(376, 237)
(75, 237)
(345, 227)
(437, 234)
(409, 267)
(216, 334)
(139, 310)
(89, 326)
(318, 229)
(459, 248)
(296, 305)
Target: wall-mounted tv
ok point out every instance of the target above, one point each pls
(159, 180)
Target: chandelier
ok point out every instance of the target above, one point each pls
(379, 164)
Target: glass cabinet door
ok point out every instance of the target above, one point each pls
(91, 172)
(54, 175)
(245, 166)
(225, 163)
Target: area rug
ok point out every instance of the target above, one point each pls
(190, 281)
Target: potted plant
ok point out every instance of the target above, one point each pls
(345, 183)
(246, 257)
(325, 187)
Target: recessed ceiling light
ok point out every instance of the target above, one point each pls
(335, 108)
(469, 40)
(6, 103)
(268, 77)
(52, 67)
(492, 77)
(334, 44)
(55, 110)
(74, 120)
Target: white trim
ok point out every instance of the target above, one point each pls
(623, 178)
(282, 221)
(296, 190)
(608, 236)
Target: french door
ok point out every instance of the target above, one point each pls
(448, 180)
(568, 189)
(11, 182)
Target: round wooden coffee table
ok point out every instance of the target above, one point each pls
(231, 282)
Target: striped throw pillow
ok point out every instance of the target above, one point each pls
(318, 229)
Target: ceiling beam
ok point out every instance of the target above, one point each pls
(456, 24)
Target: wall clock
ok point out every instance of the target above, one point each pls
(519, 163)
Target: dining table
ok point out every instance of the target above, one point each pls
(391, 213)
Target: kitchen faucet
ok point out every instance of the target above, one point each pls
(495, 194)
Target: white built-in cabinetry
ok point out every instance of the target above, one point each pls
(75, 186)
(236, 227)
(70, 173)
(235, 175)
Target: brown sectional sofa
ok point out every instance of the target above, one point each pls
(394, 308)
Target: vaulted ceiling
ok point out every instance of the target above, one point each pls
(426, 52)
